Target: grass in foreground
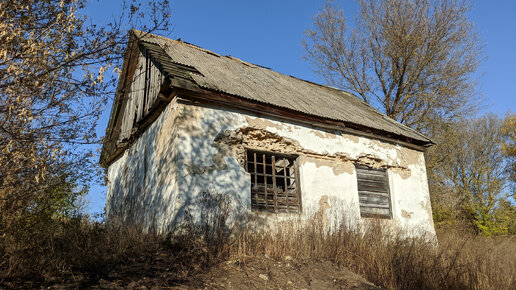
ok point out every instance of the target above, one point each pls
(79, 247)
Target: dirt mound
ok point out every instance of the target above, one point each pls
(244, 273)
(264, 273)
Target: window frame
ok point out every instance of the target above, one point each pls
(296, 177)
(387, 192)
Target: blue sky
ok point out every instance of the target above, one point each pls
(269, 33)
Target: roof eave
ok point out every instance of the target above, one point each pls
(191, 90)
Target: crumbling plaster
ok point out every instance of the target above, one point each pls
(193, 148)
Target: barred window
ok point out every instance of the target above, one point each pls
(274, 182)
(373, 192)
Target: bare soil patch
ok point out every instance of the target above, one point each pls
(244, 273)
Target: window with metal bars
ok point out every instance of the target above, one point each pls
(274, 182)
(373, 192)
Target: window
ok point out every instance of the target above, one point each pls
(274, 182)
(373, 192)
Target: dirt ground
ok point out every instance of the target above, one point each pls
(286, 274)
(244, 273)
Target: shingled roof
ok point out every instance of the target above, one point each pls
(229, 75)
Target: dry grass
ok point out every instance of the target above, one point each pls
(78, 245)
(79, 249)
(461, 261)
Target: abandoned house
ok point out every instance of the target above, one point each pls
(187, 120)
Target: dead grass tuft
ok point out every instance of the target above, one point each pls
(79, 246)
(461, 261)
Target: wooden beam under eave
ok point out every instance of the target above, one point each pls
(205, 96)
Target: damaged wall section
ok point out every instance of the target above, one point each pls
(194, 148)
(214, 140)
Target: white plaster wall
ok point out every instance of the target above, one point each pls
(341, 190)
(408, 181)
(196, 161)
(198, 166)
(142, 183)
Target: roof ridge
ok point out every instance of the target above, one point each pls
(352, 99)
(179, 40)
(142, 34)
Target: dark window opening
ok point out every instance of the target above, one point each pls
(373, 192)
(274, 182)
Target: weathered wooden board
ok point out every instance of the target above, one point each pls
(374, 199)
(373, 192)
(142, 95)
(366, 211)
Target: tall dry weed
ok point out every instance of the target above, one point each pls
(388, 259)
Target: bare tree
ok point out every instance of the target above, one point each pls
(415, 59)
(55, 77)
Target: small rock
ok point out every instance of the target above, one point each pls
(287, 258)
(264, 277)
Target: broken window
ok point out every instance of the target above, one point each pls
(274, 182)
(373, 192)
